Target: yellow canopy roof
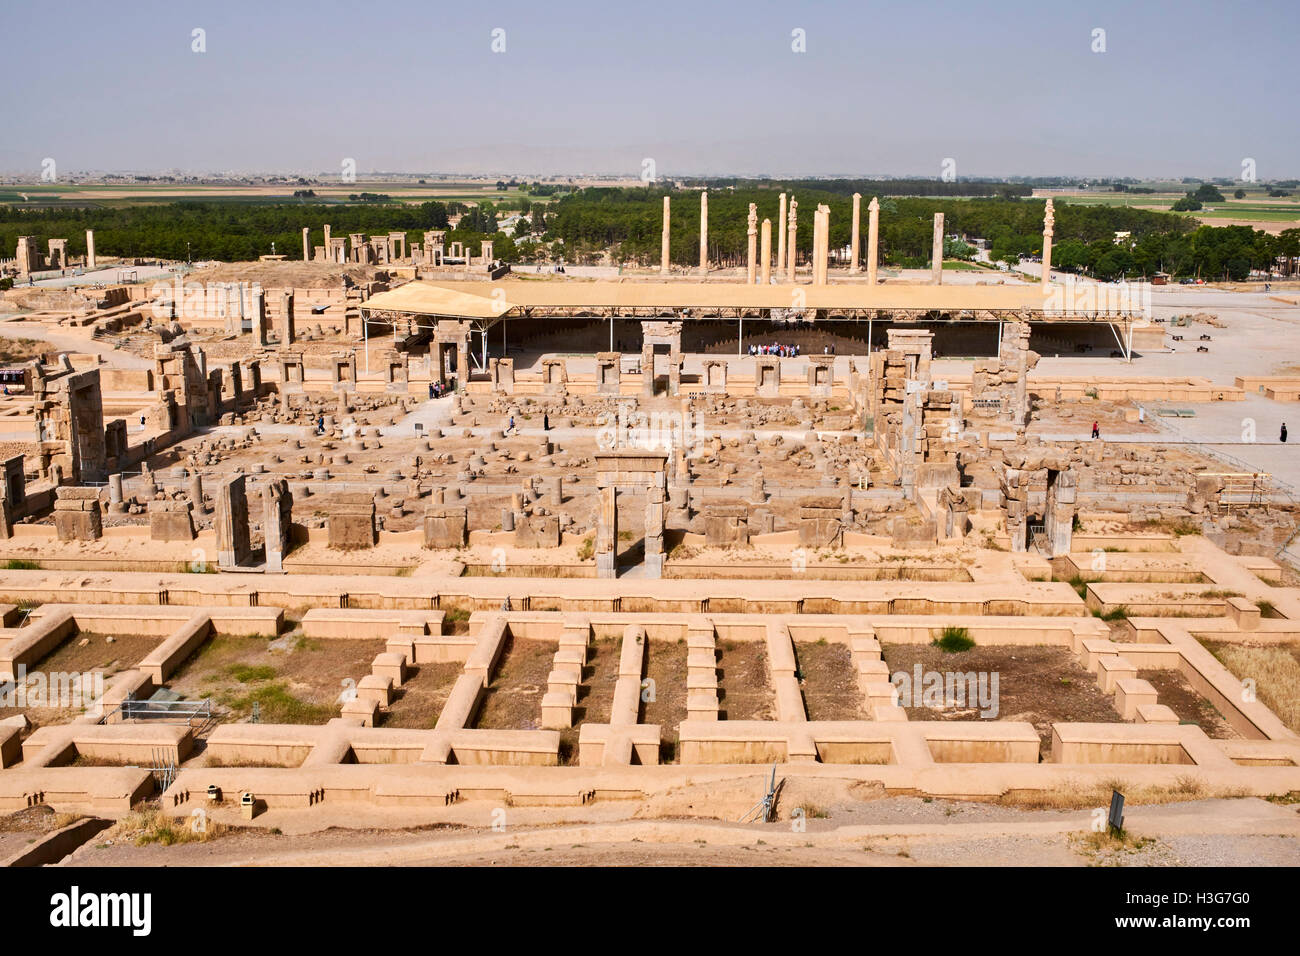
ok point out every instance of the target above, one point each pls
(492, 299)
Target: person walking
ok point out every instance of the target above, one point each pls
(546, 422)
(1096, 431)
(512, 424)
(1283, 436)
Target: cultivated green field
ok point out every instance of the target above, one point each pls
(1256, 207)
(111, 195)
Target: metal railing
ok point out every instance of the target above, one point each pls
(195, 713)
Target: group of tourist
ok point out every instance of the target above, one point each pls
(437, 390)
(780, 351)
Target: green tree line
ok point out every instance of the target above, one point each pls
(583, 225)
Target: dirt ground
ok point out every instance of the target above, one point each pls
(85, 653)
(595, 694)
(1174, 691)
(419, 701)
(110, 653)
(20, 829)
(513, 700)
(1041, 685)
(744, 682)
(293, 679)
(828, 681)
(666, 666)
(836, 828)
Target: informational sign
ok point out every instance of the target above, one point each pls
(1115, 819)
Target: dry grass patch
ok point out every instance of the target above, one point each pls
(1077, 795)
(1276, 672)
(151, 825)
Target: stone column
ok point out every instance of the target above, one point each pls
(231, 526)
(306, 244)
(791, 246)
(287, 330)
(855, 244)
(780, 236)
(873, 235)
(826, 245)
(1049, 223)
(663, 243)
(654, 532)
(115, 502)
(607, 534)
(936, 251)
(751, 271)
(259, 315)
(196, 493)
(765, 256)
(704, 232)
(1015, 492)
(277, 517)
(817, 245)
(327, 240)
(90, 248)
(1058, 513)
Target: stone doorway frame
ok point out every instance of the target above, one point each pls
(628, 469)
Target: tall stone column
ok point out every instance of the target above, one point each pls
(780, 236)
(936, 251)
(654, 532)
(327, 241)
(1049, 224)
(704, 232)
(752, 262)
(826, 244)
(231, 525)
(819, 223)
(287, 330)
(306, 244)
(765, 256)
(1058, 512)
(790, 246)
(90, 248)
(607, 533)
(821, 245)
(663, 243)
(873, 236)
(259, 315)
(855, 245)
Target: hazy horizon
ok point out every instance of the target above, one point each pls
(589, 90)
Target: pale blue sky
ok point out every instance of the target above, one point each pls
(1008, 88)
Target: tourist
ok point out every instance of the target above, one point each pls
(512, 425)
(546, 422)
(1096, 430)
(1283, 433)
(431, 390)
